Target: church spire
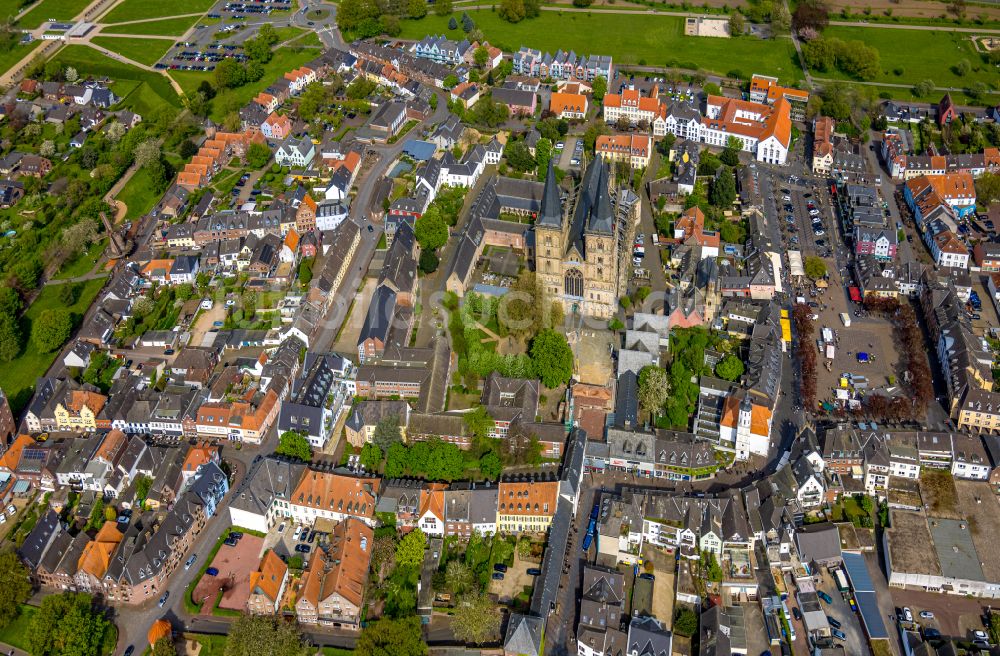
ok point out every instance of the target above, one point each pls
(550, 213)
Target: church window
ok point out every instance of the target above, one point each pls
(573, 283)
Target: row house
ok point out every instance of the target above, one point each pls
(214, 153)
(441, 49)
(526, 506)
(276, 126)
(562, 65)
(957, 190)
(904, 166)
(299, 78)
(631, 105)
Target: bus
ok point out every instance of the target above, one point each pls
(841, 578)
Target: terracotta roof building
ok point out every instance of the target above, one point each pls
(332, 590)
(526, 505)
(267, 585)
(334, 497)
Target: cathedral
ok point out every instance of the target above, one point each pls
(582, 246)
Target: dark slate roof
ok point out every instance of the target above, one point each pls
(38, 539)
(380, 313)
(551, 210)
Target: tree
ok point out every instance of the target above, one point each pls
(51, 329)
(396, 461)
(371, 456)
(431, 230)
(458, 577)
(10, 337)
(924, 88)
(599, 87)
(552, 358)
(443, 8)
(815, 267)
(28, 272)
(518, 156)
(65, 624)
(723, 190)
(417, 9)
(47, 149)
(987, 188)
(490, 466)
(146, 153)
(452, 23)
(543, 153)
(115, 132)
(963, 67)
(479, 422)
(271, 635)
(733, 233)
(450, 81)
(71, 75)
(143, 484)
(653, 388)
(410, 550)
(481, 56)
(429, 261)
(258, 155)
(731, 155)
(389, 637)
(512, 11)
(15, 585)
(294, 445)
(812, 13)
(164, 647)
(476, 619)
(737, 24)
(685, 622)
(781, 20)
(387, 433)
(230, 74)
(729, 368)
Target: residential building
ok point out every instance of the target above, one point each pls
(267, 585)
(332, 590)
(335, 497)
(568, 105)
(765, 89)
(632, 149)
(526, 506)
(296, 153)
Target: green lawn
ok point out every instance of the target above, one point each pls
(166, 27)
(283, 61)
(144, 51)
(83, 263)
(14, 55)
(61, 10)
(131, 10)
(88, 61)
(138, 194)
(921, 54)
(655, 40)
(15, 634)
(20, 374)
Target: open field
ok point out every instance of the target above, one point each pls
(20, 373)
(15, 634)
(140, 9)
(14, 55)
(83, 263)
(138, 195)
(938, 52)
(285, 59)
(630, 39)
(144, 51)
(166, 27)
(91, 62)
(61, 10)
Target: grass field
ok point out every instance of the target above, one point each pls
(144, 51)
(166, 27)
(61, 10)
(138, 195)
(155, 89)
(83, 263)
(21, 373)
(920, 54)
(15, 634)
(14, 55)
(139, 9)
(649, 39)
(284, 60)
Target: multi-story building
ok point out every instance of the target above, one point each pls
(631, 149)
(325, 495)
(264, 498)
(526, 506)
(267, 585)
(562, 65)
(332, 590)
(765, 89)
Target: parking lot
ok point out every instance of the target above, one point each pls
(840, 610)
(663, 585)
(571, 152)
(954, 616)
(234, 565)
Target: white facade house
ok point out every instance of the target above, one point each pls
(298, 153)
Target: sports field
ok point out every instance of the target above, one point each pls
(61, 10)
(138, 9)
(166, 27)
(918, 55)
(630, 39)
(153, 90)
(144, 51)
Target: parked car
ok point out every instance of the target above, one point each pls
(907, 614)
(163, 599)
(833, 622)
(926, 614)
(824, 596)
(498, 576)
(534, 571)
(303, 548)
(796, 613)
(931, 634)
(980, 635)
(236, 535)
(190, 561)
(212, 571)
(312, 537)
(128, 650)
(838, 634)
(500, 567)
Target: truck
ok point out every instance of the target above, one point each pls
(831, 351)
(655, 239)
(845, 319)
(841, 578)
